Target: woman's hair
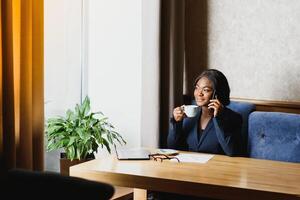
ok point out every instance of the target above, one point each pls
(220, 84)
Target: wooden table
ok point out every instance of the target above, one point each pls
(222, 177)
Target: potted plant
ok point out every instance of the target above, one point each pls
(80, 133)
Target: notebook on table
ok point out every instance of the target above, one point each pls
(132, 154)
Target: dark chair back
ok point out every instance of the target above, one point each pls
(50, 185)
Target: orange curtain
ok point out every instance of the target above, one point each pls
(21, 85)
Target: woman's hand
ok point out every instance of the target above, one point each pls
(178, 113)
(216, 105)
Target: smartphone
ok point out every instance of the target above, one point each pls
(214, 95)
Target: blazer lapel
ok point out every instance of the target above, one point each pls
(195, 131)
(205, 132)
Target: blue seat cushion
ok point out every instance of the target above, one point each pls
(274, 136)
(244, 109)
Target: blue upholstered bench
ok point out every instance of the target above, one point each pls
(268, 135)
(244, 109)
(274, 136)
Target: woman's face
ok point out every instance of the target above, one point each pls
(203, 91)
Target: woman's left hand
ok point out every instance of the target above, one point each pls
(216, 105)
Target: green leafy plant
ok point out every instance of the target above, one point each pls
(81, 132)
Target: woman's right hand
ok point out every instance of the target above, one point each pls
(178, 113)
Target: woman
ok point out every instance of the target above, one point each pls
(215, 129)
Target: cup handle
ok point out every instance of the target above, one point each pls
(182, 107)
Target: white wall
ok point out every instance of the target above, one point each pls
(256, 44)
(123, 82)
(150, 73)
(115, 55)
(62, 61)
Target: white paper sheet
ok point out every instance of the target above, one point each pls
(194, 158)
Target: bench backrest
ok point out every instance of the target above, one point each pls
(244, 109)
(274, 136)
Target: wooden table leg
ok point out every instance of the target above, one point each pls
(139, 194)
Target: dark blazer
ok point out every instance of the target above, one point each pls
(222, 134)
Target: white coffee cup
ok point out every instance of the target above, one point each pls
(190, 110)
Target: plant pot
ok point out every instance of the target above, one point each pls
(65, 163)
